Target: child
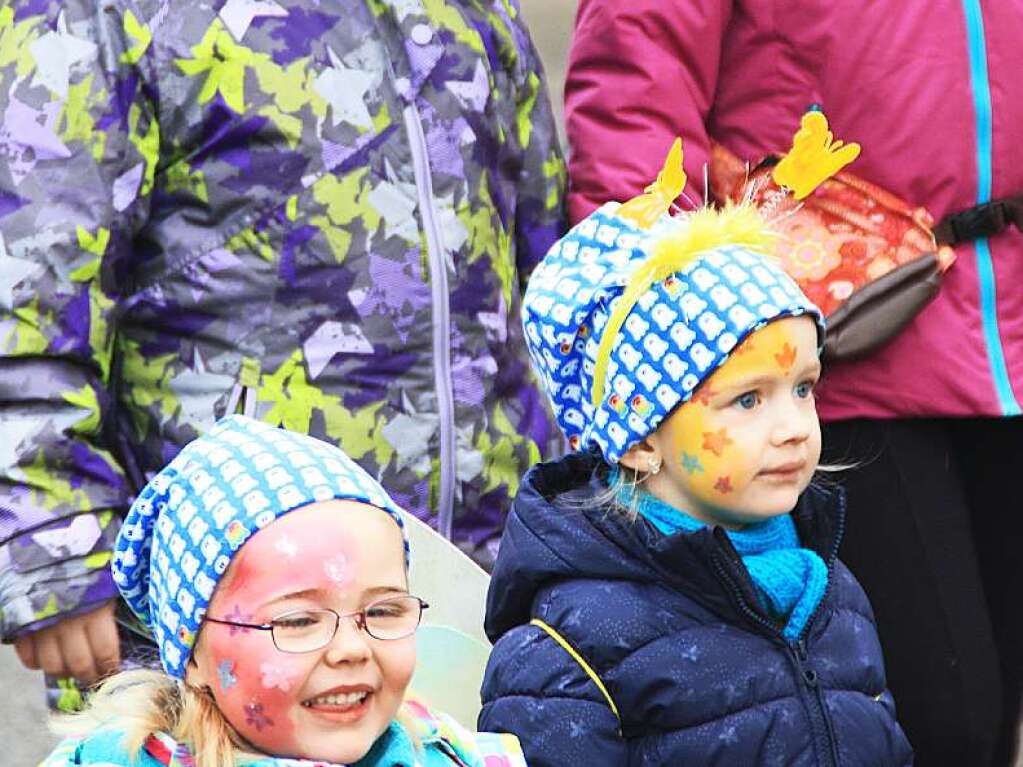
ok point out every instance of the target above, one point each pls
(274, 578)
(670, 593)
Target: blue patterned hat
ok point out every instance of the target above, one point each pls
(192, 517)
(679, 330)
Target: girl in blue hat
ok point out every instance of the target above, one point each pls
(670, 592)
(272, 572)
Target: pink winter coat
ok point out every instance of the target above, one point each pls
(932, 90)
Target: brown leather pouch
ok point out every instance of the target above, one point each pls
(864, 256)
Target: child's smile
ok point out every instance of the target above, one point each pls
(747, 443)
(314, 700)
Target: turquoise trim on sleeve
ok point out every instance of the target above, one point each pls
(985, 267)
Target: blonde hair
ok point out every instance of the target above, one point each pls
(620, 485)
(142, 702)
(621, 496)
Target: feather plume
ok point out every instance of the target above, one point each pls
(700, 231)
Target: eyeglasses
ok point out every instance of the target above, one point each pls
(308, 630)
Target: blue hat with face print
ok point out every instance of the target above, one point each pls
(193, 517)
(624, 323)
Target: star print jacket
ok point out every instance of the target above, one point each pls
(317, 212)
(616, 645)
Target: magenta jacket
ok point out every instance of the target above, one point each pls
(931, 90)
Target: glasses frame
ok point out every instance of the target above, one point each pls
(359, 617)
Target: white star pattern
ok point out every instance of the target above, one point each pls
(238, 15)
(472, 94)
(345, 90)
(200, 390)
(57, 55)
(13, 271)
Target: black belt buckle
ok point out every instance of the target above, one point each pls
(980, 221)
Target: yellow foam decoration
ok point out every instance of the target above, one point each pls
(815, 157)
(702, 231)
(656, 200)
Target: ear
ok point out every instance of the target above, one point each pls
(644, 457)
(195, 676)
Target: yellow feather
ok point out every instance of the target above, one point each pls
(814, 157)
(647, 208)
(703, 230)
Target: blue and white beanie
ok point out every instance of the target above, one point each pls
(192, 517)
(679, 331)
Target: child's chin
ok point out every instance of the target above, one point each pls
(326, 750)
(764, 511)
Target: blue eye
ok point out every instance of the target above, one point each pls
(804, 389)
(747, 401)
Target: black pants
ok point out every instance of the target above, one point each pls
(934, 532)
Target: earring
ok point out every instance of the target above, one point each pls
(653, 465)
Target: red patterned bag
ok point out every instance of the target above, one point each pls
(867, 258)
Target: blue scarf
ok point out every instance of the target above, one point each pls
(789, 580)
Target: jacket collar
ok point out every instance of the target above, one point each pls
(554, 534)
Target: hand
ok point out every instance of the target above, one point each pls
(84, 646)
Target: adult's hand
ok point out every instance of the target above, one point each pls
(84, 646)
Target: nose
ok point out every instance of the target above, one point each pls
(793, 421)
(350, 643)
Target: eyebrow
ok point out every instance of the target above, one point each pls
(311, 593)
(752, 383)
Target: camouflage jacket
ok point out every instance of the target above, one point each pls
(318, 212)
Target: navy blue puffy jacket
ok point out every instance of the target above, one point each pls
(699, 674)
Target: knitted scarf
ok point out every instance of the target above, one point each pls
(789, 580)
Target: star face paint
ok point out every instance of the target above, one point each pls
(747, 443)
(329, 704)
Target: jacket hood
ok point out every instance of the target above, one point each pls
(556, 532)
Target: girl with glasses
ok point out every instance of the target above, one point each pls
(273, 574)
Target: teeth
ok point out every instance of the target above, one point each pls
(349, 699)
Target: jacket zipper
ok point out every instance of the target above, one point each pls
(981, 87)
(820, 722)
(436, 257)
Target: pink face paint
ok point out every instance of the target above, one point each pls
(271, 566)
(275, 675)
(308, 704)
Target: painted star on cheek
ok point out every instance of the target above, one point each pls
(254, 717)
(786, 357)
(227, 678)
(704, 395)
(716, 441)
(745, 347)
(236, 614)
(723, 485)
(691, 463)
(275, 676)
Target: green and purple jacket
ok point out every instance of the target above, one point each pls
(317, 212)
